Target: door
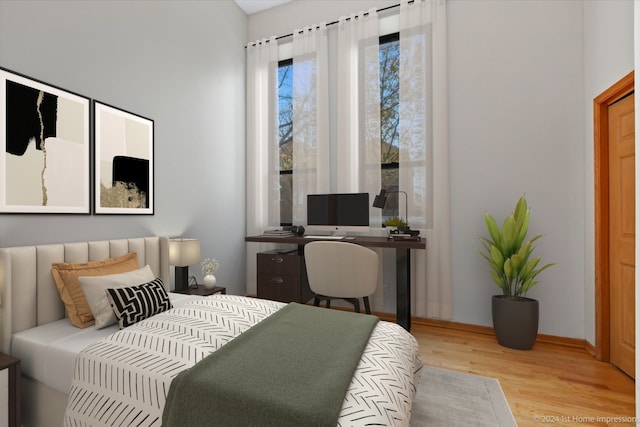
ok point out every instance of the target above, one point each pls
(622, 234)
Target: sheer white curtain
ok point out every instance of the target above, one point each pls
(424, 150)
(311, 167)
(358, 105)
(358, 115)
(263, 193)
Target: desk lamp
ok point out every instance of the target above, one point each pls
(182, 254)
(381, 200)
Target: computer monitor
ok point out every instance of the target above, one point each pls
(338, 213)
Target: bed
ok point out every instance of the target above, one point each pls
(56, 355)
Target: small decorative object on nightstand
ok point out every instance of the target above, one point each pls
(209, 281)
(209, 267)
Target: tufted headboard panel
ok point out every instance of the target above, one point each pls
(28, 294)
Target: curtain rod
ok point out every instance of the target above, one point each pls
(334, 22)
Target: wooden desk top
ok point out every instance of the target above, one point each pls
(372, 241)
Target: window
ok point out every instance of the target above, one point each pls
(285, 139)
(389, 118)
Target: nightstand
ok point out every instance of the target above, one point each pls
(202, 291)
(9, 390)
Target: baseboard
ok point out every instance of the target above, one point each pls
(592, 349)
(485, 330)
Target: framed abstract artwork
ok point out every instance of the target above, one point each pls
(44, 147)
(123, 165)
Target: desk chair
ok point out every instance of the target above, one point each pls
(341, 270)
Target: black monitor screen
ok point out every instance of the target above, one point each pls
(347, 209)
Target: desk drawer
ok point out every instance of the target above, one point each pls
(277, 263)
(282, 288)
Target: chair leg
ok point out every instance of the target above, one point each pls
(316, 301)
(367, 307)
(356, 304)
(328, 302)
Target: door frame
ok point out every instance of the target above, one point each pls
(601, 103)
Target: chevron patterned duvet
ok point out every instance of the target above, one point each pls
(123, 380)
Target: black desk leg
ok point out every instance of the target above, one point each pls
(403, 288)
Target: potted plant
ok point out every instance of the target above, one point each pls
(395, 225)
(514, 270)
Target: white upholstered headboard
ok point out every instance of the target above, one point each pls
(29, 296)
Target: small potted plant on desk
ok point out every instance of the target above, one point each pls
(398, 229)
(395, 225)
(508, 253)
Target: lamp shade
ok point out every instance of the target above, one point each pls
(184, 252)
(381, 199)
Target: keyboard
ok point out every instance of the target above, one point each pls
(325, 237)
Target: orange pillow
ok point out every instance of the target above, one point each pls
(66, 277)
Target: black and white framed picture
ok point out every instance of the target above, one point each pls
(44, 147)
(123, 166)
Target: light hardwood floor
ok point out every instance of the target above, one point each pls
(550, 384)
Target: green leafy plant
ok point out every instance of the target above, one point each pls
(395, 222)
(509, 254)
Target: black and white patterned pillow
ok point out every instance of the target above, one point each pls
(136, 303)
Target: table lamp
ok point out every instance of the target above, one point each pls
(182, 254)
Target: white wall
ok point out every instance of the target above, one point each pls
(517, 127)
(521, 77)
(180, 63)
(282, 20)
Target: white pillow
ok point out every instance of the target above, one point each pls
(94, 288)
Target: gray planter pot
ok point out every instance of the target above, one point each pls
(515, 321)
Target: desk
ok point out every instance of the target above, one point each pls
(403, 264)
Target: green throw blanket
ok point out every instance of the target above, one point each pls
(291, 369)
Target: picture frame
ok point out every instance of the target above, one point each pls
(45, 154)
(123, 161)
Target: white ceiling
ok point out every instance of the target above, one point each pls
(254, 6)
